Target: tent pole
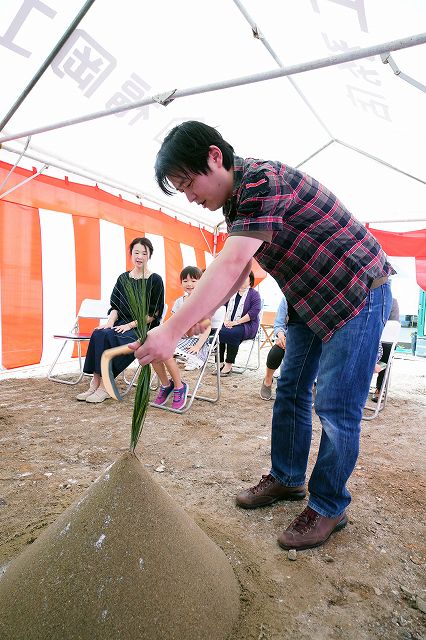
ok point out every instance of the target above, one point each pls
(169, 96)
(46, 63)
(315, 153)
(16, 186)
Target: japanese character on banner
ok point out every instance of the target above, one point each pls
(85, 61)
(367, 100)
(8, 39)
(355, 5)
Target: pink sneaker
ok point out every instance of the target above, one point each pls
(179, 397)
(163, 394)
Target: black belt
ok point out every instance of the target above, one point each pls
(378, 282)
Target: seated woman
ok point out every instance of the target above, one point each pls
(193, 350)
(241, 323)
(276, 353)
(119, 328)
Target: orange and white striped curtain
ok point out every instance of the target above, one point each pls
(61, 242)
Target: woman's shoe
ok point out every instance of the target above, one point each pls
(98, 396)
(220, 369)
(85, 394)
(223, 374)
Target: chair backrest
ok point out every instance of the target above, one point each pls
(91, 308)
(391, 331)
(218, 317)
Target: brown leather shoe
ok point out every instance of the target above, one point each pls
(310, 529)
(268, 491)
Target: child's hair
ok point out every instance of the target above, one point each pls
(251, 276)
(193, 272)
(144, 242)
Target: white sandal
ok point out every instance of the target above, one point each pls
(98, 396)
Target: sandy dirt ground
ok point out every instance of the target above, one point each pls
(367, 582)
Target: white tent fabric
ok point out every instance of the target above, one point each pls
(123, 52)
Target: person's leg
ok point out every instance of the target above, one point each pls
(292, 413)
(291, 422)
(346, 366)
(387, 346)
(231, 354)
(161, 372)
(166, 385)
(222, 349)
(345, 371)
(273, 361)
(96, 343)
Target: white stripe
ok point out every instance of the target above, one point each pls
(209, 258)
(58, 277)
(188, 255)
(157, 264)
(113, 256)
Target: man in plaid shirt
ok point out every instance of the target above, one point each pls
(334, 275)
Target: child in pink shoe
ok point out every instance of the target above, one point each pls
(193, 350)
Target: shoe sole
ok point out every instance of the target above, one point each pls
(292, 498)
(337, 528)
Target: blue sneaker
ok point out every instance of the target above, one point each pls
(179, 397)
(164, 393)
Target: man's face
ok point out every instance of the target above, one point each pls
(210, 191)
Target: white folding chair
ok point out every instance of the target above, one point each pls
(390, 335)
(89, 308)
(213, 353)
(255, 344)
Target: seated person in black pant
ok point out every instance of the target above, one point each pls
(120, 326)
(386, 347)
(241, 323)
(276, 353)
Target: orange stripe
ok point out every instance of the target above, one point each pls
(201, 258)
(87, 266)
(21, 285)
(174, 265)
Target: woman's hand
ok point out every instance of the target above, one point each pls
(123, 328)
(230, 323)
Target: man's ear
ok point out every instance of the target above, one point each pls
(215, 156)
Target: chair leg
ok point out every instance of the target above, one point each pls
(56, 378)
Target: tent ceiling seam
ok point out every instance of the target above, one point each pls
(258, 34)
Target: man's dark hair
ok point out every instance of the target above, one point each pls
(185, 150)
(193, 272)
(144, 242)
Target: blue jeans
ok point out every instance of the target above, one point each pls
(343, 367)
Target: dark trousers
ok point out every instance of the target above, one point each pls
(102, 339)
(385, 357)
(231, 352)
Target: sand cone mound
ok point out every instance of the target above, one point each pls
(122, 562)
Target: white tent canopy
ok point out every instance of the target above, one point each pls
(358, 126)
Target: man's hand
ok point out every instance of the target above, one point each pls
(159, 346)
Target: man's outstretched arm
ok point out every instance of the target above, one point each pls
(220, 281)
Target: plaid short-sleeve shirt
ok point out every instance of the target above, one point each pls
(323, 259)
